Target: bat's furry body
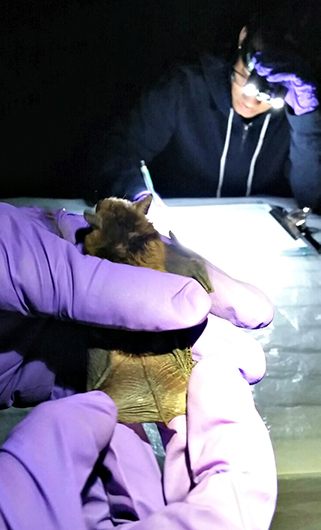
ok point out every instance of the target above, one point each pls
(148, 386)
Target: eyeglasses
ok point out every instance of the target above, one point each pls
(239, 79)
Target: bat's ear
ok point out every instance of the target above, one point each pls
(143, 205)
(94, 220)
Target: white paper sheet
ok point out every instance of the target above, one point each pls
(232, 235)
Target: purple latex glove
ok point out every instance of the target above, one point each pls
(233, 343)
(134, 486)
(229, 484)
(219, 466)
(300, 96)
(47, 459)
(42, 274)
(241, 303)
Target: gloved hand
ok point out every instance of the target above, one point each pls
(222, 477)
(47, 460)
(42, 274)
(241, 303)
(231, 483)
(45, 274)
(301, 95)
(222, 434)
(246, 353)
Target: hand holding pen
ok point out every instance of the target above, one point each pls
(158, 208)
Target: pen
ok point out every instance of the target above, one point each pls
(161, 220)
(147, 178)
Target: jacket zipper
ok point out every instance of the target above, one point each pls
(246, 128)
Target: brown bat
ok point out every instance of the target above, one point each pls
(122, 233)
(146, 386)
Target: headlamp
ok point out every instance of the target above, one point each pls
(257, 86)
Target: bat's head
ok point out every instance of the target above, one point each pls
(122, 233)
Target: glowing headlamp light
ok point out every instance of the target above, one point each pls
(253, 89)
(259, 88)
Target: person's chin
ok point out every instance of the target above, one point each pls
(245, 111)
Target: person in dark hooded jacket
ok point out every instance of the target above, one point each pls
(203, 135)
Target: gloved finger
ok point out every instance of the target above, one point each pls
(133, 482)
(276, 77)
(68, 224)
(45, 274)
(231, 455)
(95, 506)
(222, 338)
(176, 462)
(230, 458)
(243, 304)
(284, 79)
(282, 63)
(263, 71)
(50, 455)
(23, 383)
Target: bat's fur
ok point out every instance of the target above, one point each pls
(145, 387)
(150, 385)
(122, 233)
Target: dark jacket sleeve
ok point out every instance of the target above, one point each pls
(142, 136)
(305, 159)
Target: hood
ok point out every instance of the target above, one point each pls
(217, 76)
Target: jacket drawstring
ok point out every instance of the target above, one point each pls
(254, 157)
(224, 154)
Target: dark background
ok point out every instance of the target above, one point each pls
(70, 68)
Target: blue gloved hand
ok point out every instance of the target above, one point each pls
(301, 95)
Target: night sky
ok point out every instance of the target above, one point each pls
(70, 68)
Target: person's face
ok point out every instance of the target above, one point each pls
(245, 106)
